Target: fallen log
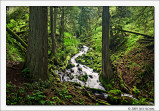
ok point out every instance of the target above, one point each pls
(150, 37)
(15, 36)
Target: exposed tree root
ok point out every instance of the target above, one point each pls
(123, 85)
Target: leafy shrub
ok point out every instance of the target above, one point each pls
(13, 94)
(37, 97)
(63, 93)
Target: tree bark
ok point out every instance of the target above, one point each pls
(37, 53)
(107, 72)
(62, 25)
(53, 29)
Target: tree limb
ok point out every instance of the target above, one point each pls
(15, 36)
(136, 33)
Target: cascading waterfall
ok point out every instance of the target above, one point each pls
(93, 77)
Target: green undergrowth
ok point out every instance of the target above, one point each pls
(17, 13)
(14, 51)
(132, 59)
(71, 43)
(91, 59)
(18, 22)
(108, 86)
(128, 55)
(51, 92)
(65, 52)
(130, 44)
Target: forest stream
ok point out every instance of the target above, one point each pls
(60, 61)
(80, 70)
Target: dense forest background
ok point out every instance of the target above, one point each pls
(80, 55)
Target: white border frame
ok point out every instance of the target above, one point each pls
(76, 3)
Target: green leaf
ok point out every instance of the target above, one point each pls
(42, 102)
(7, 85)
(69, 96)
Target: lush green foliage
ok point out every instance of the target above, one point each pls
(132, 56)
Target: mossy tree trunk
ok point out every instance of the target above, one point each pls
(37, 53)
(62, 25)
(53, 29)
(107, 72)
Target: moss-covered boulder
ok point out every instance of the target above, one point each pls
(115, 92)
(69, 66)
(112, 99)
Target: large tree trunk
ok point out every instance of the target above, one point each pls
(107, 72)
(53, 29)
(37, 55)
(62, 25)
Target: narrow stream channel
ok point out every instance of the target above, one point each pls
(71, 75)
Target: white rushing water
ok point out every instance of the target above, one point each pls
(93, 77)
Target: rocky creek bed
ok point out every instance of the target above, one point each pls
(85, 76)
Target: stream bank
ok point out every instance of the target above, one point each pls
(85, 76)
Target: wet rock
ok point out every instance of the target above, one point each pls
(79, 68)
(83, 78)
(72, 70)
(78, 65)
(79, 72)
(67, 73)
(72, 76)
(99, 96)
(69, 66)
(90, 76)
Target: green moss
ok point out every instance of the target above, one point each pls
(58, 80)
(67, 34)
(122, 85)
(113, 99)
(83, 78)
(69, 66)
(128, 101)
(80, 69)
(105, 84)
(135, 91)
(72, 77)
(91, 59)
(115, 92)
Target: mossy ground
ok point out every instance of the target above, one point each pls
(53, 92)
